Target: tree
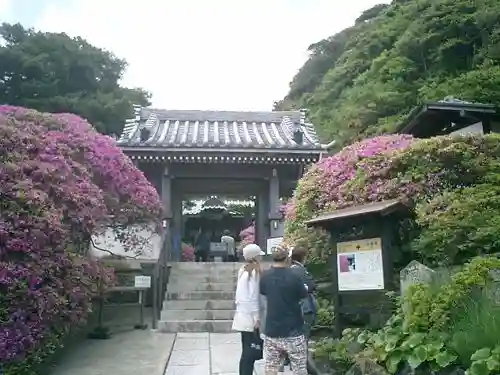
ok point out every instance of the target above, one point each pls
(54, 73)
(366, 79)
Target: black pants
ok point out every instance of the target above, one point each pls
(201, 256)
(246, 364)
(229, 258)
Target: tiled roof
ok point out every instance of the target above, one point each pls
(218, 129)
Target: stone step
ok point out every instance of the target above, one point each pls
(204, 271)
(182, 286)
(180, 315)
(190, 271)
(198, 305)
(203, 279)
(212, 295)
(174, 326)
(201, 265)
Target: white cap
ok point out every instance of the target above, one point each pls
(252, 251)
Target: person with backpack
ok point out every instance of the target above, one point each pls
(308, 304)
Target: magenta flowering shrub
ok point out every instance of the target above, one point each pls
(187, 252)
(60, 182)
(390, 167)
(321, 188)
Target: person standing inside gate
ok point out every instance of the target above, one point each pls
(248, 310)
(202, 246)
(229, 244)
(284, 326)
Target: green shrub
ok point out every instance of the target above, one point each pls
(475, 325)
(428, 307)
(425, 332)
(325, 315)
(485, 361)
(340, 354)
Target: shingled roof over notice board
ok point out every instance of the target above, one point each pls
(219, 130)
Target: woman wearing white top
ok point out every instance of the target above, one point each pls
(246, 318)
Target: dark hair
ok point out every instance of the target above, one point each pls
(299, 254)
(226, 233)
(280, 254)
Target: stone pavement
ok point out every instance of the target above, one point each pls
(207, 354)
(127, 353)
(137, 352)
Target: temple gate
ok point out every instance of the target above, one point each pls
(225, 153)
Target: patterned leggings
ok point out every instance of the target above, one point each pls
(295, 347)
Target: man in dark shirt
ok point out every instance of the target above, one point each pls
(284, 325)
(298, 258)
(202, 246)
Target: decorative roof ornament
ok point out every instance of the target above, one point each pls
(132, 124)
(149, 128)
(213, 203)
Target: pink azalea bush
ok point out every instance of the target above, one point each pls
(187, 252)
(389, 167)
(321, 188)
(60, 182)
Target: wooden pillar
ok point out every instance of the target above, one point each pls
(275, 227)
(166, 197)
(176, 231)
(261, 219)
(166, 193)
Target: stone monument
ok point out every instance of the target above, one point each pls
(415, 273)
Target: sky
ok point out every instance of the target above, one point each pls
(198, 54)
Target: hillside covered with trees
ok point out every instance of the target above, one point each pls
(366, 79)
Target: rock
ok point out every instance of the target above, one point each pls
(366, 367)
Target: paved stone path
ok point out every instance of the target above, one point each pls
(126, 353)
(207, 354)
(136, 352)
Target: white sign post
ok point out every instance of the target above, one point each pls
(360, 265)
(142, 282)
(272, 243)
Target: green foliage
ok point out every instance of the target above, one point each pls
(485, 361)
(55, 73)
(325, 315)
(428, 307)
(364, 80)
(395, 345)
(475, 324)
(421, 332)
(431, 329)
(339, 353)
(460, 224)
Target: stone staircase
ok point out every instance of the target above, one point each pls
(200, 298)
